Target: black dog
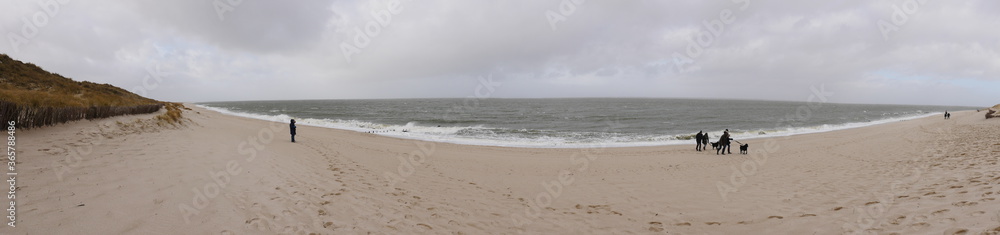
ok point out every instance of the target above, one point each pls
(715, 145)
(744, 148)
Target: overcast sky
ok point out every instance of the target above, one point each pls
(895, 52)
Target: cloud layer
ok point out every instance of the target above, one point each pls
(903, 52)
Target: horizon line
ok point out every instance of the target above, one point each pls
(581, 97)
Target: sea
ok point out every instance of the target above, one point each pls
(576, 122)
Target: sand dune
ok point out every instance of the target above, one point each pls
(221, 174)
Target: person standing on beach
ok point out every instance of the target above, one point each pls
(704, 141)
(697, 140)
(724, 143)
(291, 128)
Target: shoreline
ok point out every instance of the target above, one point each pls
(218, 173)
(495, 143)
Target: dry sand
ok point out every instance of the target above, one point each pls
(221, 174)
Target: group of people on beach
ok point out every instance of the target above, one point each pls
(947, 115)
(722, 146)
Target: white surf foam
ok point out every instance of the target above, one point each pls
(451, 134)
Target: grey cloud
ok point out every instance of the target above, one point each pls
(292, 50)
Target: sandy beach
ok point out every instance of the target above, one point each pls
(219, 174)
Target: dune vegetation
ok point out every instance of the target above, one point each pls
(33, 97)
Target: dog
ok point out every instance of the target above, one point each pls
(744, 149)
(715, 145)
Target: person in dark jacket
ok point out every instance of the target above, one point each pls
(704, 141)
(697, 139)
(724, 143)
(291, 128)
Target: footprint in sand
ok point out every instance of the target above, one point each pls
(713, 223)
(920, 225)
(956, 231)
(838, 208)
(775, 217)
(964, 203)
(807, 215)
(939, 212)
(897, 220)
(683, 224)
(655, 226)
(258, 224)
(425, 226)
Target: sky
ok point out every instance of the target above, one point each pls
(855, 51)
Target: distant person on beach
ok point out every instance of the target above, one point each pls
(291, 128)
(697, 140)
(704, 141)
(947, 115)
(724, 143)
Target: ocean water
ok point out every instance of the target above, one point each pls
(576, 122)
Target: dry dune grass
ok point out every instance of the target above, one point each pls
(33, 97)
